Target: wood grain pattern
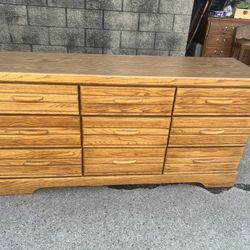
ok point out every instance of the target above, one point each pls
(203, 160)
(214, 101)
(38, 99)
(39, 131)
(204, 131)
(106, 161)
(40, 163)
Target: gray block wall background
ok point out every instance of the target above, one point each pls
(150, 27)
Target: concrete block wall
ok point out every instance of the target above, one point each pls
(149, 27)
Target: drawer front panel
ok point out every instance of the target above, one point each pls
(203, 160)
(226, 131)
(39, 131)
(214, 101)
(127, 131)
(217, 51)
(217, 40)
(103, 161)
(222, 28)
(40, 162)
(124, 100)
(38, 99)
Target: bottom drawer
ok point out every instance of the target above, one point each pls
(40, 162)
(103, 161)
(203, 160)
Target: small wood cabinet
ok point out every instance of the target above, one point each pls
(219, 37)
(80, 120)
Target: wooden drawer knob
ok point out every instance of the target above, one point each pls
(126, 132)
(27, 98)
(219, 102)
(128, 101)
(120, 162)
(212, 132)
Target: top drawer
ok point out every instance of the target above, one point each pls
(214, 101)
(38, 99)
(222, 28)
(126, 101)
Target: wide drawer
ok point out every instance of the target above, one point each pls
(217, 51)
(204, 131)
(218, 40)
(38, 99)
(222, 28)
(104, 161)
(124, 100)
(214, 101)
(39, 131)
(126, 131)
(40, 162)
(203, 160)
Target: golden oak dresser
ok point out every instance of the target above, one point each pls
(85, 120)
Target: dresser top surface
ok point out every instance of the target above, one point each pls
(18, 65)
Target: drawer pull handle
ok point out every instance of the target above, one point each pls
(203, 160)
(37, 163)
(124, 162)
(219, 102)
(126, 132)
(27, 98)
(33, 132)
(128, 101)
(212, 132)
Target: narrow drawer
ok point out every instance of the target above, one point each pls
(218, 40)
(215, 131)
(39, 131)
(217, 51)
(214, 101)
(38, 99)
(203, 160)
(40, 162)
(104, 161)
(222, 28)
(124, 100)
(126, 131)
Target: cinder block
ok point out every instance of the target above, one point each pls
(26, 2)
(67, 3)
(103, 38)
(182, 23)
(119, 51)
(170, 41)
(85, 50)
(156, 22)
(120, 20)
(104, 4)
(13, 14)
(151, 52)
(29, 34)
(176, 6)
(4, 34)
(137, 40)
(67, 36)
(177, 53)
(44, 16)
(81, 18)
(140, 5)
(43, 48)
(14, 47)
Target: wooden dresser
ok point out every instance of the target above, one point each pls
(79, 120)
(219, 37)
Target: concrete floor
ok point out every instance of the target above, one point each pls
(148, 217)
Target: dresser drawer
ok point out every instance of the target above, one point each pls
(126, 131)
(103, 161)
(203, 160)
(222, 28)
(125, 100)
(214, 101)
(40, 162)
(217, 51)
(221, 131)
(220, 41)
(38, 99)
(39, 131)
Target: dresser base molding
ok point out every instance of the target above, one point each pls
(28, 185)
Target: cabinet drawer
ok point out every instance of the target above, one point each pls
(38, 99)
(217, 51)
(217, 40)
(127, 131)
(214, 101)
(124, 100)
(222, 28)
(103, 161)
(203, 160)
(39, 131)
(40, 162)
(220, 131)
